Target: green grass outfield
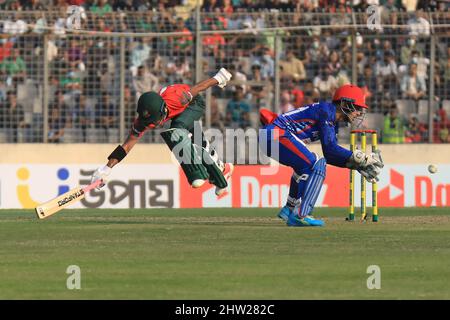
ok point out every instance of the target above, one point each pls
(223, 254)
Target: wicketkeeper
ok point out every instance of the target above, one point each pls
(291, 131)
(184, 106)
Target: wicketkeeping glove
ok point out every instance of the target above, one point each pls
(371, 173)
(101, 173)
(223, 76)
(360, 160)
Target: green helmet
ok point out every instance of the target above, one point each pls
(151, 108)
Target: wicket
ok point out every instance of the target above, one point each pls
(353, 142)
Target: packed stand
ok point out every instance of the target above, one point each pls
(84, 70)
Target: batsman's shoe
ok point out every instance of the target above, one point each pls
(197, 183)
(284, 213)
(308, 221)
(227, 173)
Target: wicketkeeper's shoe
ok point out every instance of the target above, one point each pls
(309, 221)
(284, 213)
(227, 172)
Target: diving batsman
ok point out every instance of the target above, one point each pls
(184, 106)
(286, 137)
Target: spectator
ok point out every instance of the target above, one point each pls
(52, 51)
(369, 84)
(3, 85)
(243, 61)
(211, 5)
(182, 45)
(296, 93)
(389, 12)
(341, 18)
(422, 64)
(292, 67)
(13, 115)
(317, 52)
(393, 129)
(331, 41)
(56, 125)
(286, 104)
(227, 7)
(446, 75)
(145, 81)
(334, 63)
(246, 122)
(107, 115)
(124, 5)
(130, 105)
(139, 55)
(414, 130)
(240, 78)
(217, 118)
(83, 116)
(261, 90)
(177, 70)
(32, 5)
(361, 6)
(76, 55)
(407, 49)
(387, 67)
(237, 110)
(413, 86)
(214, 44)
(102, 26)
(14, 66)
(418, 25)
(70, 80)
(267, 63)
(63, 109)
(311, 94)
(146, 22)
(441, 126)
(101, 7)
(342, 78)
(325, 83)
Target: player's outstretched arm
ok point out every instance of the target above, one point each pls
(220, 79)
(114, 158)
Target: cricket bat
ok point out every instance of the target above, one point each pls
(53, 206)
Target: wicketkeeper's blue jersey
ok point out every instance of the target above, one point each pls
(314, 122)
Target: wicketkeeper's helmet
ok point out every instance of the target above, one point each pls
(151, 108)
(351, 98)
(350, 93)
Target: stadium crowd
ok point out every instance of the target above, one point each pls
(225, 6)
(84, 71)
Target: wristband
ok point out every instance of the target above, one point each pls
(119, 153)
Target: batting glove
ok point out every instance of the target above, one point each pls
(101, 173)
(223, 76)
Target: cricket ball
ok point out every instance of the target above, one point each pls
(432, 168)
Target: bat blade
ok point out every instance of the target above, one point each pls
(53, 206)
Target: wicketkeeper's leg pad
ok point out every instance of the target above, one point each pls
(188, 154)
(310, 190)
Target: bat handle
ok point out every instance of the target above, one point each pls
(93, 185)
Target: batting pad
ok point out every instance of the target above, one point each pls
(213, 165)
